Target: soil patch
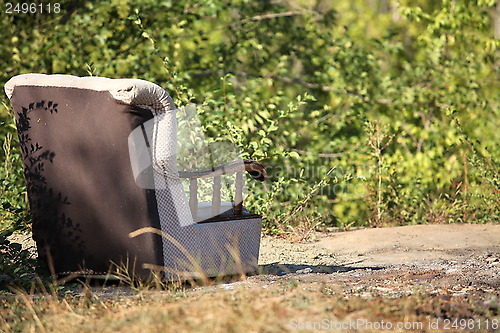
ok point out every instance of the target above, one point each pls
(456, 259)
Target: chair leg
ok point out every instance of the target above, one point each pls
(193, 197)
(216, 196)
(238, 194)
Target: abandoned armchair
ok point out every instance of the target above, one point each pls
(108, 185)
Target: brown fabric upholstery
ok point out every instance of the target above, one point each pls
(83, 197)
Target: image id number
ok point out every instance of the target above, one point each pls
(471, 324)
(32, 8)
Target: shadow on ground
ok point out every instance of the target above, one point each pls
(283, 269)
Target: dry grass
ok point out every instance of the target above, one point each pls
(280, 306)
(261, 304)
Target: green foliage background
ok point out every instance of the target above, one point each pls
(366, 112)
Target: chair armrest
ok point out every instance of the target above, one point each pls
(254, 168)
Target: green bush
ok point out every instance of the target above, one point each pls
(353, 106)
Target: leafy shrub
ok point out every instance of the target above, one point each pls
(17, 265)
(295, 86)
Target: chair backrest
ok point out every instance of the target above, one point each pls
(84, 201)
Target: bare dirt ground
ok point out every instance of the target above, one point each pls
(456, 259)
(429, 275)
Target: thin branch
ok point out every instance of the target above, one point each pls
(251, 19)
(269, 16)
(327, 155)
(285, 79)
